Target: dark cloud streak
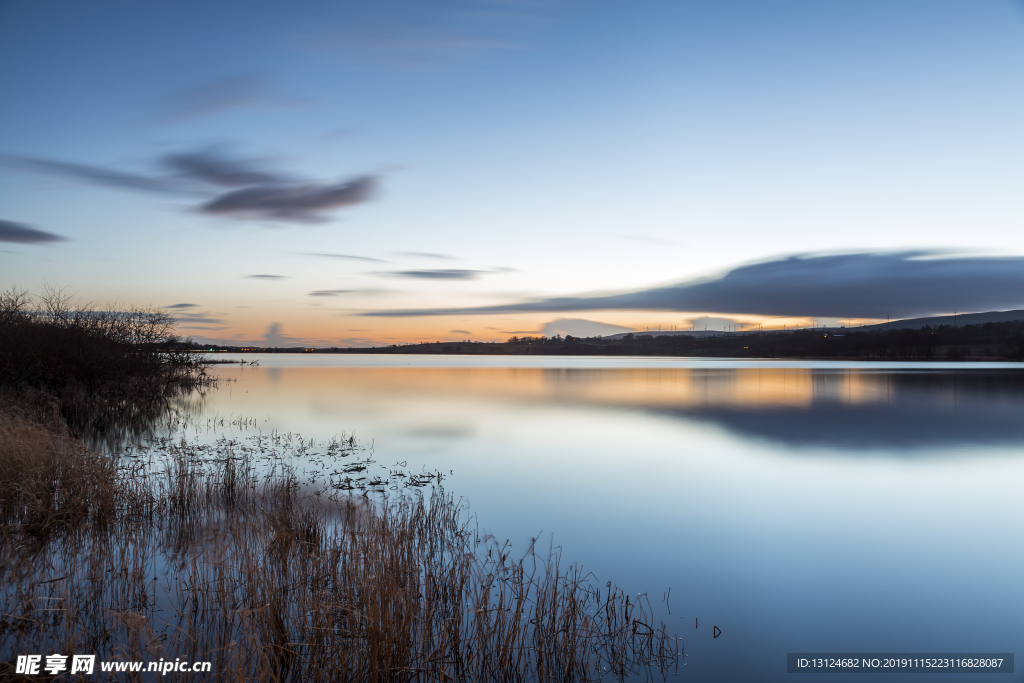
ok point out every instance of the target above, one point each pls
(443, 274)
(298, 202)
(426, 254)
(200, 318)
(210, 167)
(862, 285)
(261, 194)
(348, 257)
(19, 233)
(97, 175)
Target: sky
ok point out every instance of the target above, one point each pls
(352, 174)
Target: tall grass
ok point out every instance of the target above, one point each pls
(199, 554)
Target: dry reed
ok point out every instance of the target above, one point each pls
(201, 555)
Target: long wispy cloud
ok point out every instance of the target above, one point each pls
(438, 274)
(426, 254)
(257, 192)
(404, 34)
(97, 175)
(199, 318)
(344, 257)
(19, 233)
(215, 96)
(859, 285)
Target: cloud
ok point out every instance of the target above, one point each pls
(186, 317)
(296, 202)
(273, 336)
(97, 175)
(216, 96)
(200, 318)
(19, 233)
(186, 169)
(349, 257)
(460, 331)
(443, 274)
(578, 327)
(858, 285)
(331, 292)
(266, 276)
(426, 254)
(262, 194)
(415, 46)
(209, 166)
(410, 34)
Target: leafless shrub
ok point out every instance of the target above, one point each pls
(106, 371)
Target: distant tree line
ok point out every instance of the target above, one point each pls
(990, 341)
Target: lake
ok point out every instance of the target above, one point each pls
(795, 506)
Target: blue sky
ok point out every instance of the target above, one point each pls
(475, 155)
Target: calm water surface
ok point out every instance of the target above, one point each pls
(797, 506)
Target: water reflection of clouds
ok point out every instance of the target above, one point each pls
(910, 412)
(845, 409)
(905, 429)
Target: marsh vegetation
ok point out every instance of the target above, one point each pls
(191, 551)
(275, 557)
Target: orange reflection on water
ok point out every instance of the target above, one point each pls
(748, 388)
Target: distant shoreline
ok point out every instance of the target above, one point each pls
(986, 342)
(374, 352)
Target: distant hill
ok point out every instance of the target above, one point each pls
(906, 324)
(959, 320)
(678, 333)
